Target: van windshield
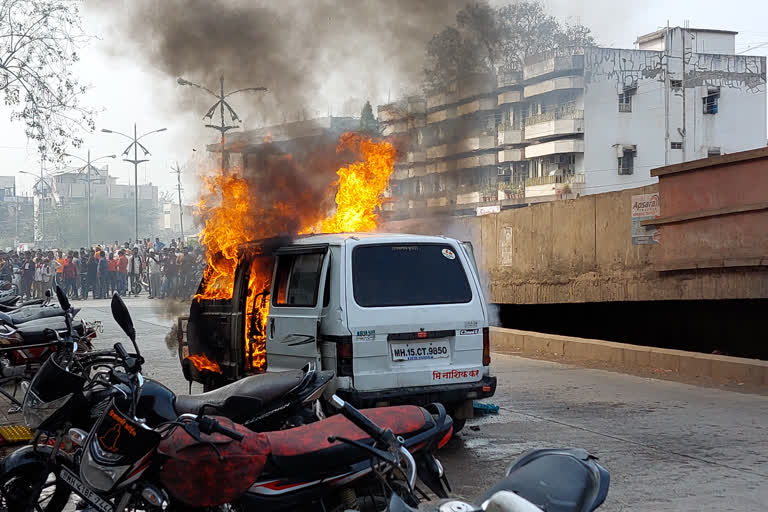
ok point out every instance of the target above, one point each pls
(408, 275)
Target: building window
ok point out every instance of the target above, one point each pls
(627, 162)
(676, 85)
(625, 98)
(711, 100)
(676, 145)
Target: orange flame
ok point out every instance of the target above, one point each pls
(361, 185)
(231, 219)
(201, 362)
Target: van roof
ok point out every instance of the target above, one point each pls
(341, 238)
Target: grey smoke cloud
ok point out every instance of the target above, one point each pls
(309, 54)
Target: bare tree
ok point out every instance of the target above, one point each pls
(39, 43)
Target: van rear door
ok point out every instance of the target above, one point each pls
(295, 306)
(416, 313)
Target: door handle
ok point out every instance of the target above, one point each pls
(272, 328)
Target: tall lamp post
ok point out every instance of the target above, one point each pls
(88, 166)
(43, 182)
(135, 144)
(177, 171)
(222, 105)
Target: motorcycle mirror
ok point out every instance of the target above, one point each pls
(63, 300)
(123, 319)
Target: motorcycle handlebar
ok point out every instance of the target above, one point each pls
(121, 352)
(210, 425)
(360, 420)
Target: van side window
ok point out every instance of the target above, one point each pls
(297, 279)
(327, 292)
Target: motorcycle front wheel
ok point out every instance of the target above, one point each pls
(31, 488)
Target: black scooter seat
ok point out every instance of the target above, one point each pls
(38, 331)
(246, 394)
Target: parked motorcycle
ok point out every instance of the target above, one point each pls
(202, 461)
(29, 335)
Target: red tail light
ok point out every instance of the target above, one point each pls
(486, 346)
(344, 358)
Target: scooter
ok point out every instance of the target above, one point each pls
(551, 480)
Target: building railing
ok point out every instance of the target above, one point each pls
(573, 179)
(555, 115)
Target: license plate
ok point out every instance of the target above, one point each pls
(86, 492)
(420, 351)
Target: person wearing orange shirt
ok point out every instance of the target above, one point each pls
(122, 272)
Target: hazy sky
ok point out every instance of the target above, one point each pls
(127, 88)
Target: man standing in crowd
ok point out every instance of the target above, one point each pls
(27, 275)
(69, 274)
(135, 267)
(102, 274)
(155, 275)
(91, 274)
(112, 271)
(122, 271)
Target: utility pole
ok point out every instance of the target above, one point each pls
(177, 171)
(221, 104)
(135, 144)
(666, 95)
(683, 37)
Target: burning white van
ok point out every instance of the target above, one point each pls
(399, 318)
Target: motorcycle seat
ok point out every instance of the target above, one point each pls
(30, 314)
(38, 331)
(242, 396)
(306, 449)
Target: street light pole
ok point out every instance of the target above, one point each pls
(88, 166)
(135, 144)
(177, 171)
(221, 104)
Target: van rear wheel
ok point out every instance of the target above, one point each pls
(458, 425)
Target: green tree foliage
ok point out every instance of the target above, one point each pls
(40, 43)
(368, 123)
(487, 39)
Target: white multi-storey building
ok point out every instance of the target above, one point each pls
(578, 121)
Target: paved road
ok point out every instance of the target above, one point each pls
(668, 446)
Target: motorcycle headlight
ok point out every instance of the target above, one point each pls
(36, 411)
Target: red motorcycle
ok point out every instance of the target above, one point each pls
(356, 460)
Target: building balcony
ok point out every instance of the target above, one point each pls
(573, 179)
(554, 187)
(474, 144)
(393, 128)
(555, 61)
(557, 122)
(511, 155)
(511, 191)
(507, 97)
(554, 147)
(508, 79)
(442, 98)
(509, 135)
(436, 202)
(416, 156)
(470, 162)
(441, 115)
(476, 106)
(560, 83)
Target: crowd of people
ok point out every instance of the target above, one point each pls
(130, 268)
